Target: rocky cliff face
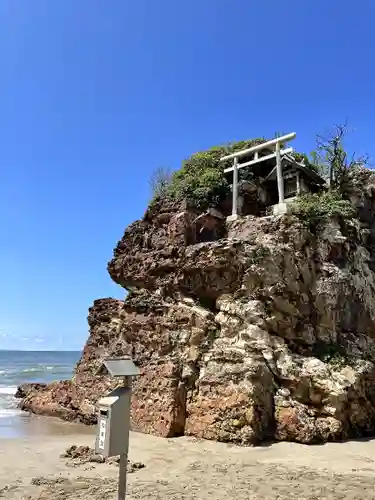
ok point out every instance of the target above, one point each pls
(244, 331)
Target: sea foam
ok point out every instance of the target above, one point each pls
(11, 391)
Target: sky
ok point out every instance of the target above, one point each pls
(97, 94)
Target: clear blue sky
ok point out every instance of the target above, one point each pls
(94, 95)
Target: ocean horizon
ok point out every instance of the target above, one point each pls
(39, 350)
(21, 366)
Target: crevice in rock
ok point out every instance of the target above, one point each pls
(208, 303)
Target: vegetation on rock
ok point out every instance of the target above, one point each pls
(201, 177)
(334, 163)
(318, 207)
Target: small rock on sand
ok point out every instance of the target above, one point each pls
(79, 455)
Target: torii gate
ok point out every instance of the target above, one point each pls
(274, 143)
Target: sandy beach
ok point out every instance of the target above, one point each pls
(32, 468)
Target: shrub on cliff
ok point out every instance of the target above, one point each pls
(318, 207)
(201, 176)
(343, 172)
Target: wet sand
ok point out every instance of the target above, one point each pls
(183, 468)
(23, 425)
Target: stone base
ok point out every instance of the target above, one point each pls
(231, 218)
(282, 208)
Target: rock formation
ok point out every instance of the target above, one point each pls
(261, 328)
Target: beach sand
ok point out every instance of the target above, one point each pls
(184, 468)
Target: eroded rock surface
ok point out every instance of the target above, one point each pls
(244, 331)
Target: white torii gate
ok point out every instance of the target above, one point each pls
(274, 143)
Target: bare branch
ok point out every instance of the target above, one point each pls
(335, 159)
(159, 181)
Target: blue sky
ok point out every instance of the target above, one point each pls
(94, 95)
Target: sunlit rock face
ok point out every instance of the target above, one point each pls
(244, 331)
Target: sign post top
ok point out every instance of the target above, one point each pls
(118, 367)
(114, 417)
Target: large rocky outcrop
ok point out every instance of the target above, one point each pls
(244, 331)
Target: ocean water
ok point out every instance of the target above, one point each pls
(18, 367)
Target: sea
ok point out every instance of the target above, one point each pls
(18, 367)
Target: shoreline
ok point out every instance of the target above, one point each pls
(22, 424)
(185, 468)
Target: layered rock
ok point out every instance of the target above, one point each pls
(244, 331)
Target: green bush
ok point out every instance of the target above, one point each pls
(317, 207)
(201, 177)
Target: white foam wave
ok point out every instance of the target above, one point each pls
(9, 413)
(43, 368)
(11, 391)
